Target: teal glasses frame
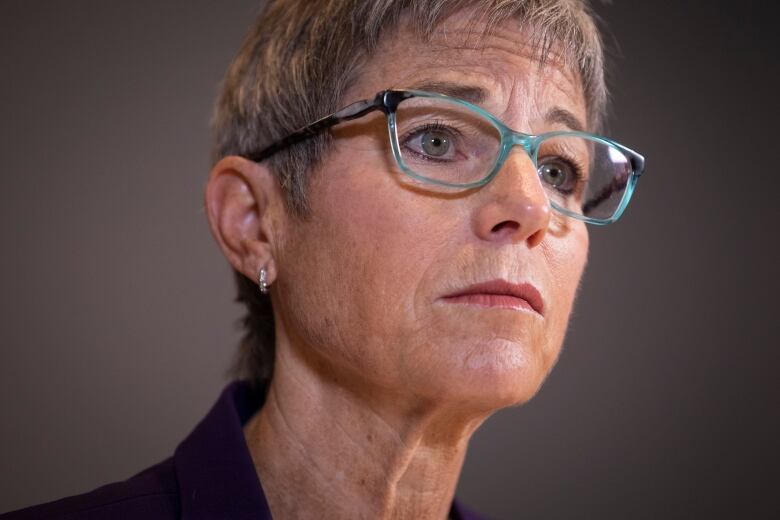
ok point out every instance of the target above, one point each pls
(387, 101)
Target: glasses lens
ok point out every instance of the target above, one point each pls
(583, 176)
(444, 141)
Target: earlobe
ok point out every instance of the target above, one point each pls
(240, 197)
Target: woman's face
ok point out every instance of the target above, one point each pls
(367, 286)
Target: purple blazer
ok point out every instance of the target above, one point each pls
(210, 476)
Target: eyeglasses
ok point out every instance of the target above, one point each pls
(441, 140)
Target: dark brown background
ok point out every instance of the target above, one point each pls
(117, 321)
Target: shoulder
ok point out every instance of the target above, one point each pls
(151, 494)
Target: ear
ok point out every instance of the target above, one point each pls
(244, 203)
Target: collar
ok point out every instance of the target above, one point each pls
(216, 476)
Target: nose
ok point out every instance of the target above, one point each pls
(513, 207)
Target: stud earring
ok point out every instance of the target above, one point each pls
(263, 280)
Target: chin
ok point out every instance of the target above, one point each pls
(493, 375)
(505, 373)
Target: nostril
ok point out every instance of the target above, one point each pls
(505, 229)
(508, 221)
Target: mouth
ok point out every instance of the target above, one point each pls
(500, 294)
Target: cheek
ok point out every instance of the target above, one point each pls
(350, 273)
(565, 258)
(357, 284)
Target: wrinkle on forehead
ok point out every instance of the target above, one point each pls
(523, 85)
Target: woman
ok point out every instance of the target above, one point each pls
(402, 189)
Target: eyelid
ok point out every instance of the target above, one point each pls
(408, 135)
(436, 126)
(579, 173)
(574, 162)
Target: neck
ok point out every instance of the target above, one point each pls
(324, 450)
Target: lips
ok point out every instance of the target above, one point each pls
(501, 294)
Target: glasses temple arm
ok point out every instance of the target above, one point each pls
(353, 111)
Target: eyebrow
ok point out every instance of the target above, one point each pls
(476, 95)
(470, 93)
(564, 117)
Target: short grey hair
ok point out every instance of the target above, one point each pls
(299, 58)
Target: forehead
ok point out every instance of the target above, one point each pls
(504, 63)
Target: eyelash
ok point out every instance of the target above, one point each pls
(576, 168)
(427, 127)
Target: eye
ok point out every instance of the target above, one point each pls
(435, 143)
(560, 174)
(432, 142)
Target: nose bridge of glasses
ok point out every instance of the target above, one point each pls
(525, 141)
(525, 162)
(529, 178)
